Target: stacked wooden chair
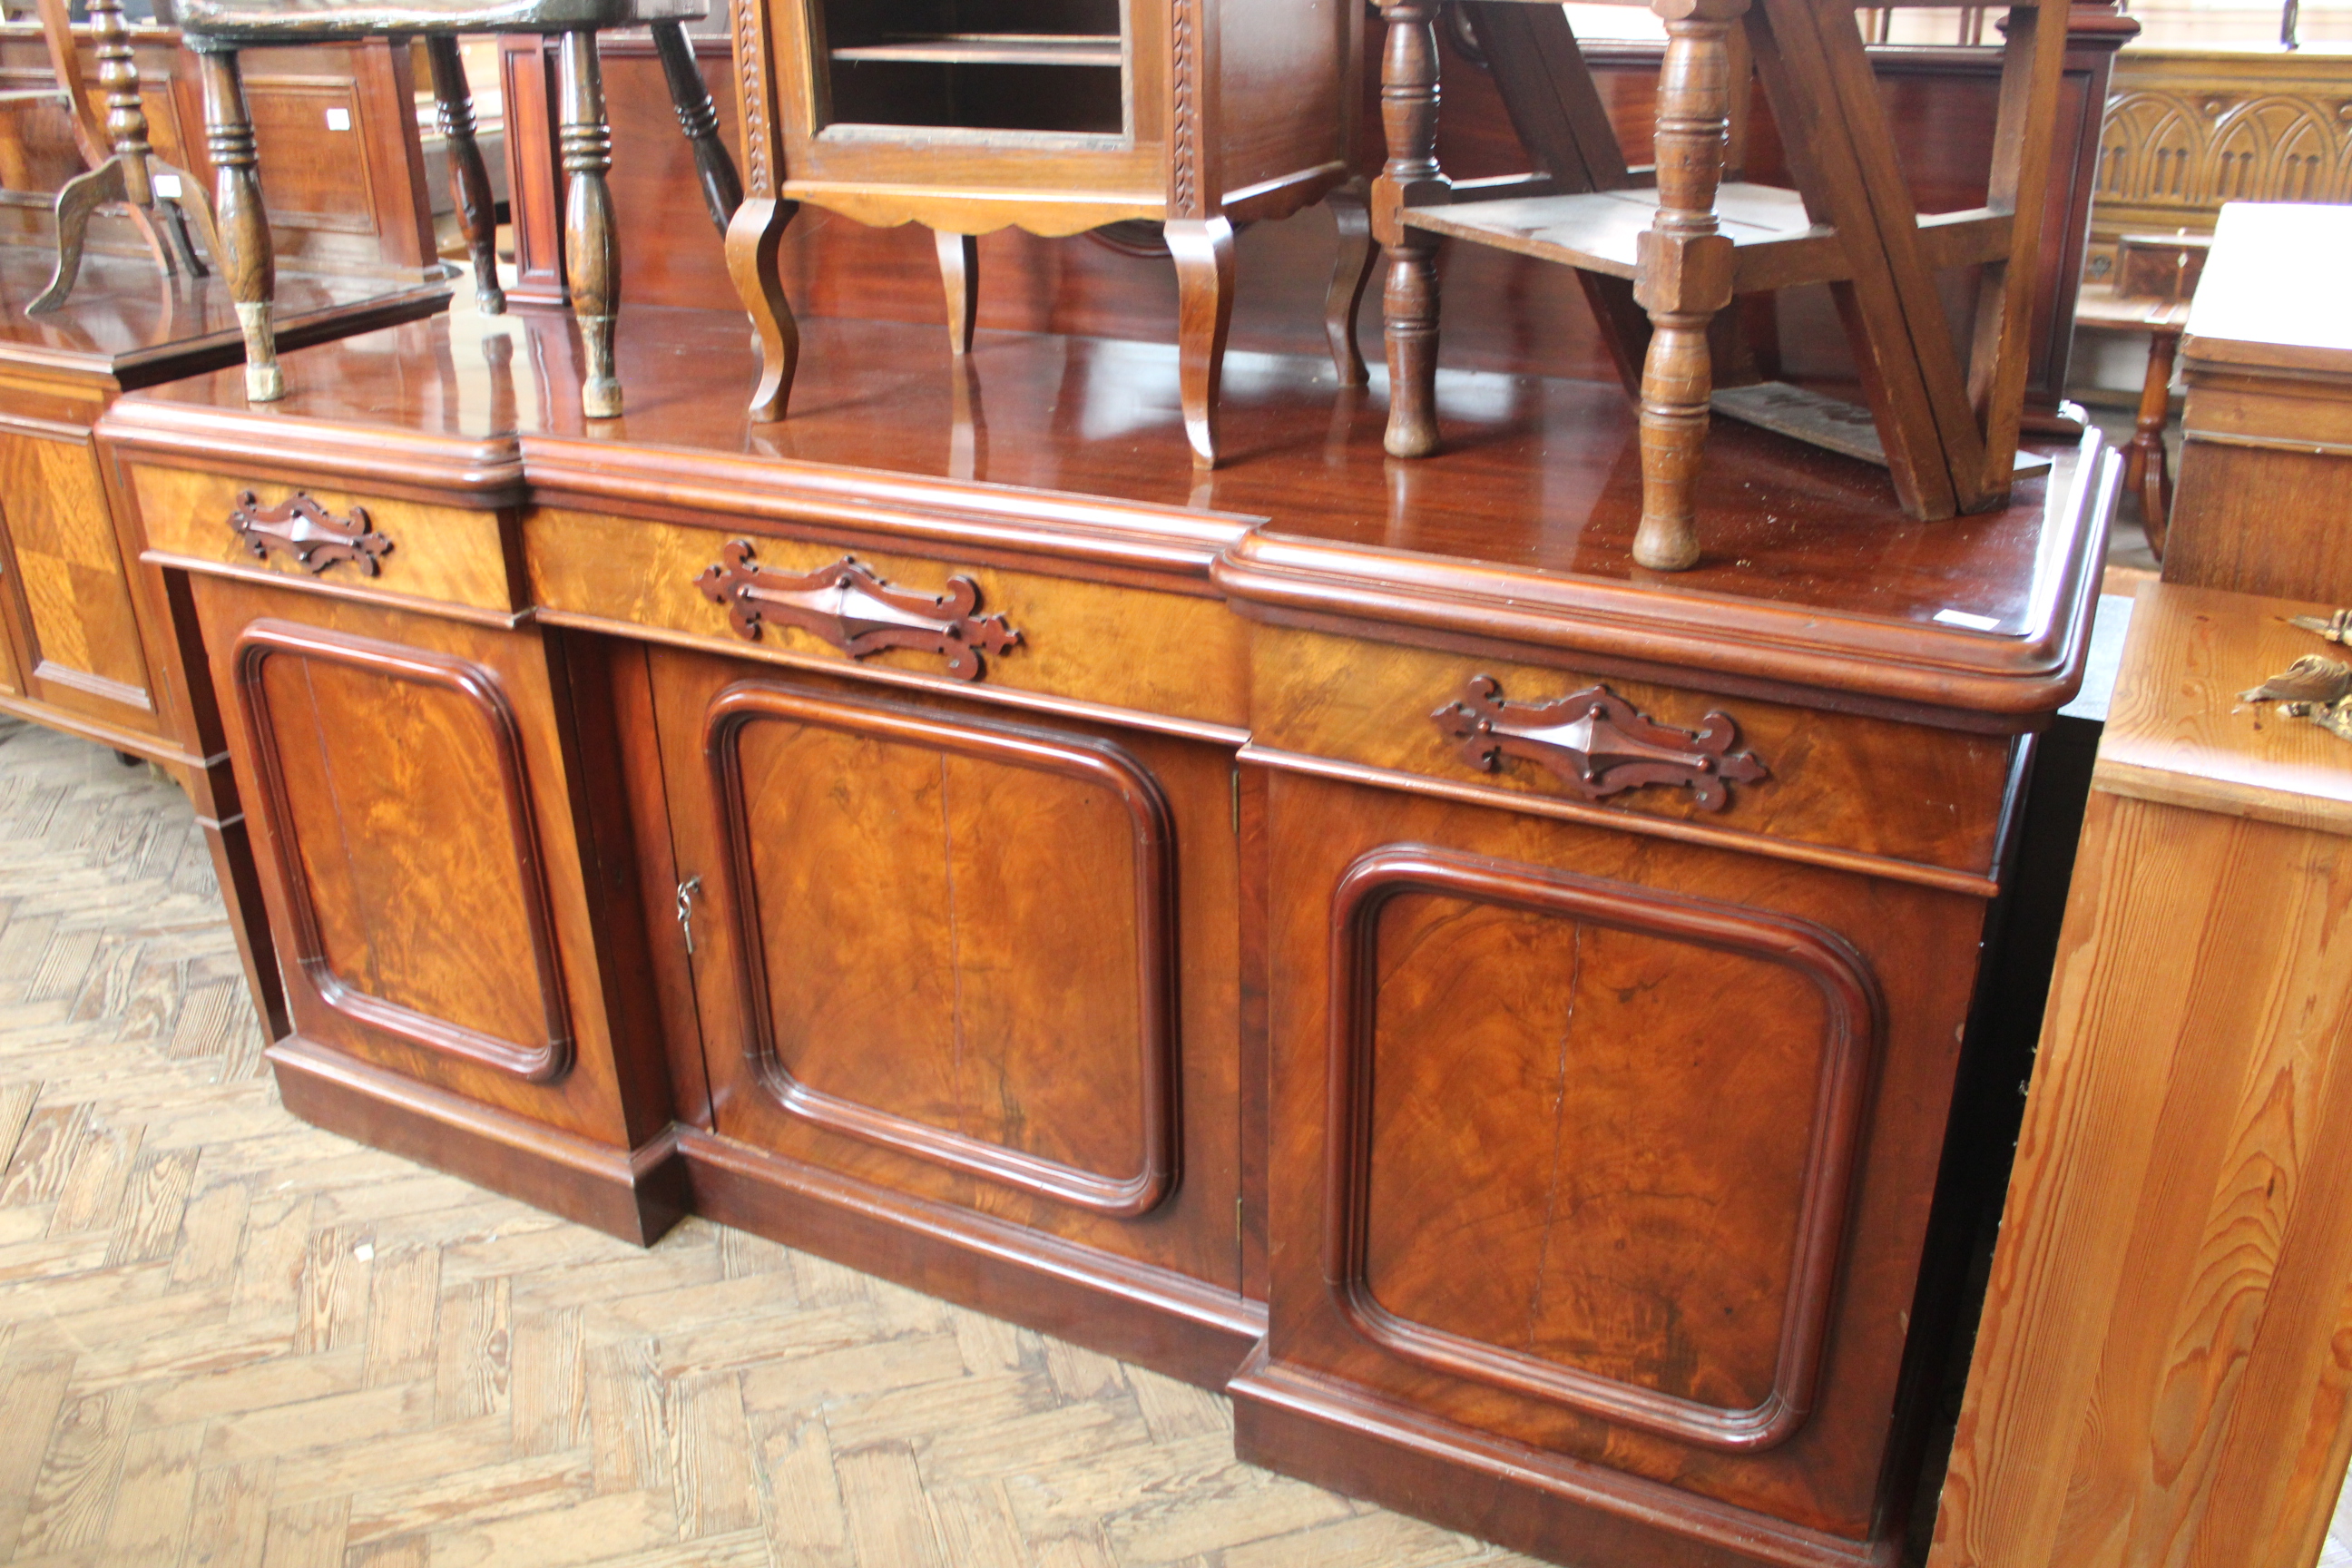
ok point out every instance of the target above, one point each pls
(1661, 254)
(218, 29)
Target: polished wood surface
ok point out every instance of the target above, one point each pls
(2158, 1377)
(2266, 433)
(980, 846)
(220, 33)
(1542, 502)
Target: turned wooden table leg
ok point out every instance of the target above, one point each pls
(1203, 249)
(1685, 274)
(960, 278)
(754, 239)
(123, 177)
(470, 181)
(2148, 469)
(1409, 115)
(592, 251)
(723, 189)
(247, 260)
(1351, 275)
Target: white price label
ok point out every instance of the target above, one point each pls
(168, 186)
(339, 119)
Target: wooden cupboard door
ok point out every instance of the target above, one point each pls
(1617, 1149)
(82, 650)
(1637, 1109)
(949, 953)
(406, 779)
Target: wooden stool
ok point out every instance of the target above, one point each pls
(163, 202)
(1674, 245)
(2155, 277)
(217, 29)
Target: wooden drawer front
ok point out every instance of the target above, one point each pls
(82, 645)
(1874, 785)
(1574, 1139)
(403, 776)
(946, 955)
(400, 550)
(1117, 646)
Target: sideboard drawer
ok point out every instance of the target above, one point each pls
(1457, 722)
(1133, 650)
(397, 550)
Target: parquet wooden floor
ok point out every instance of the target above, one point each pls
(228, 1340)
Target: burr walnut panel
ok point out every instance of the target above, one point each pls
(1158, 653)
(1607, 1073)
(949, 957)
(438, 553)
(456, 954)
(1599, 1159)
(1020, 1024)
(425, 861)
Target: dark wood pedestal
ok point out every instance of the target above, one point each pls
(1333, 924)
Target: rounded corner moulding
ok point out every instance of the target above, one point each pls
(480, 693)
(1855, 1034)
(1101, 764)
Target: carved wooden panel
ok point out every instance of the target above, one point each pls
(1582, 1085)
(82, 640)
(2188, 129)
(394, 782)
(955, 939)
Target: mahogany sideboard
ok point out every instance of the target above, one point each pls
(1331, 932)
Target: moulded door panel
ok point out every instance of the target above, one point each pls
(82, 648)
(404, 774)
(948, 953)
(1615, 1147)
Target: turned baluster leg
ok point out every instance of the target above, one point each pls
(1351, 274)
(2147, 471)
(468, 180)
(592, 251)
(1411, 177)
(1203, 249)
(1684, 277)
(959, 277)
(723, 190)
(247, 259)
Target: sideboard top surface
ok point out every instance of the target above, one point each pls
(1519, 531)
(128, 323)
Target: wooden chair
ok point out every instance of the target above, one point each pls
(163, 202)
(217, 29)
(1676, 244)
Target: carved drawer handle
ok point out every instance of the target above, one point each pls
(313, 536)
(848, 605)
(1597, 743)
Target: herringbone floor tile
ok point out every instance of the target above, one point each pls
(229, 1339)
